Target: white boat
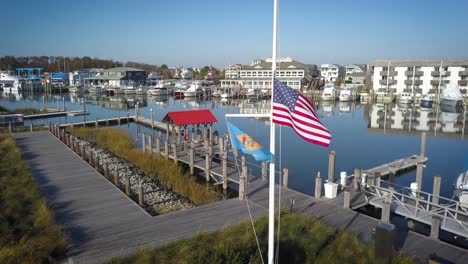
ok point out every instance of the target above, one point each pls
(328, 93)
(426, 101)
(195, 90)
(461, 188)
(345, 96)
(405, 98)
(451, 96)
(9, 81)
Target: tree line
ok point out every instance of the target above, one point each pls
(68, 64)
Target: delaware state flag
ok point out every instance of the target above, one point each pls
(244, 142)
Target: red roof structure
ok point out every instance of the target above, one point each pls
(191, 117)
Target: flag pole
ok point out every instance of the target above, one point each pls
(271, 207)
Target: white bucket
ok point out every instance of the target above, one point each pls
(414, 188)
(343, 177)
(331, 190)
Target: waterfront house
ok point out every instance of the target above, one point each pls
(419, 76)
(355, 73)
(119, 76)
(258, 75)
(331, 72)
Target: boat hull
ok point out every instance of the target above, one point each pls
(345, 98)
(426, 103)
(451, 102)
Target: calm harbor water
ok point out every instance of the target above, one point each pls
(364, 136)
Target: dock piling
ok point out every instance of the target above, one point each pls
(191, 157)
(435, 227)
(318, 186)
(174, 152)
(242, 179)
(285, 177)
(30, 127)
(116, 178)
(423, 144)
(127, 185)
(331, 166)
(346, 199)
(140, 194)
(436, 189)
(166, 149)
(357, 179)
(150, 144)
(385, 217)
(207, 164)
(106, 169)
(419, 174)
(224, 170)
(143, 142)
(264, 171)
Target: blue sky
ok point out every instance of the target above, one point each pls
(219, 32)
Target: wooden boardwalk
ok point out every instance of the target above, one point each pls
(102, 222)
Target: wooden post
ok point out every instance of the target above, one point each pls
(285, 177)
(152, 119)
(221, 145)
(191, 157)
(318, 186)
(178, 134)
(224, 164)
(167, 131)
(357, 179)
(127, 185)
(96, 163)
(207, 164)
(423, 145)
(242, 179)
(50, 126)
(106, 169)
(150, 143)
(264, 171)
(435, 227)
(107, 122)
(9, 127)
(436, 189)
(346, 199)
(210, 153)
(140, 194)
(72, 142)
(205, 134)
(166, 149)
(173, 132)
(377, 179)
(158, 145)
(30, 128)
(90, 157)
(118, 120)
(174, 152)
(136, 114)
(331, 166)
(419, 174)
(116, 178)
(385, 217)
(83, 152)
(96, 123)
(143, 142)
(128, 119)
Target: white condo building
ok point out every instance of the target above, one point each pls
(258, 75)
(419, 77)
(331, 72)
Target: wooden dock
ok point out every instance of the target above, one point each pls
(102, 222)
(56, 114)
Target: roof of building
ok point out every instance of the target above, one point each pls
(329, 65)
(283, 65)
(407, 63)
(122, 69)
(363, 67)
(106, 77)
(190, 117)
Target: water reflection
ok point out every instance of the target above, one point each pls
(410, 120)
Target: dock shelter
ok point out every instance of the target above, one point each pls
(181, 120)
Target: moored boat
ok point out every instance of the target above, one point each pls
(405, 98)
(426, 101)
(451, 96)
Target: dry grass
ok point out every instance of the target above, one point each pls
(28, 233)
(169, 174)
(303, 240)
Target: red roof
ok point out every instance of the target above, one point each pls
(191, 117)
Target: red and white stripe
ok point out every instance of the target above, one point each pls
(303, 120)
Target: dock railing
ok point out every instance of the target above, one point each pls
(421, 206)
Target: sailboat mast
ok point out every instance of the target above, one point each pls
(271, 207)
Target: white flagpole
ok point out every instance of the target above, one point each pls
(271, 207)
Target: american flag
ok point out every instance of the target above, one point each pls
(292, 109)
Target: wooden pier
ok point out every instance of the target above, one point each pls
(102, 222)
(56, 114)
